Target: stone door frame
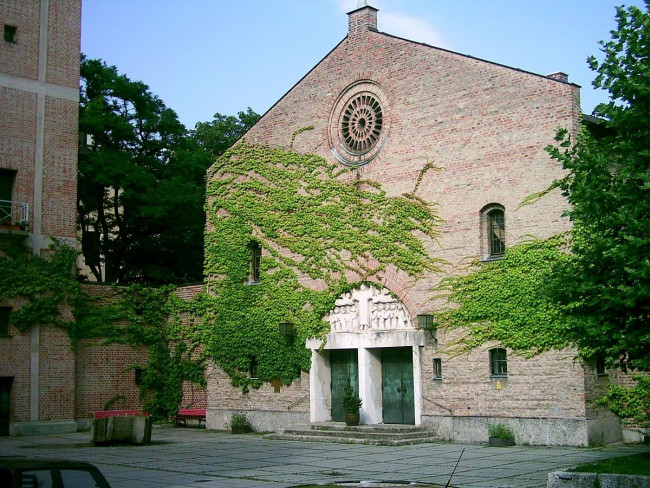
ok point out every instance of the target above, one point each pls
(368, 333)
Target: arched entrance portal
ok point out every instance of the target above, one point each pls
(374, 345)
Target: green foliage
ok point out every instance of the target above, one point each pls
(500, 431)
(506, 300)
(630, 403)
(140, 183)
(606, 287)
(216, 136)
(150, 319)
(313, 220)
(43, 285)
(351, 401)
(239, 420)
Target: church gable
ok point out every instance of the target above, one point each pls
(428, 98)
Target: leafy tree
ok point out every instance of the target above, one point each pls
(216, 136)
(141, 183)
(141, 186)
(607, 283)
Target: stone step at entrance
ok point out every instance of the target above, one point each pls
(379, 435)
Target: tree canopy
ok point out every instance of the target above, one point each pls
(607, 283)
(141, 186)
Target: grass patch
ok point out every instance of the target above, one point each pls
(638, 464)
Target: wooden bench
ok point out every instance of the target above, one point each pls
(185, 414)
(118, 413)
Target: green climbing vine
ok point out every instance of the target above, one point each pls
(44, 286)
(506, 300)
(317, 224)
(48, 293)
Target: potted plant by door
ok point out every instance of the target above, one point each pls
(351, 405)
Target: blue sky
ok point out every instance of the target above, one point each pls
(207, 56)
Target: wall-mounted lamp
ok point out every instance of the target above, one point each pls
(286, 329)
(425, 322)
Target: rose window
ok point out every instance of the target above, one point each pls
(361, 124)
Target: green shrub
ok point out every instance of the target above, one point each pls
(500, 431)
(239, 420)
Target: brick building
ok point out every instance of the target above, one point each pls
(384, 106)
(39, 103)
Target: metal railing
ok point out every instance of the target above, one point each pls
(14, 213)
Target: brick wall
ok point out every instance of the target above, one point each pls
(15, 362)
(485, 125)
(60, 168)
(64, 46)
(21, 59)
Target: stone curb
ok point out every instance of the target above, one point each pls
(563, 479)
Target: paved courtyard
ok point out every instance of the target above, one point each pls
(191, 457)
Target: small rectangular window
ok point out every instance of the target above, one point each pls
(137, 376)
(252, 368)
(256, 260)
(437, 369)
(498, 362)
(5, 312)
(10, 33)
(497, 232)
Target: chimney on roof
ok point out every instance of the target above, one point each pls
(559, 76)
(362, 19)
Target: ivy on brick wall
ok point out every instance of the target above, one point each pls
(317, 224)
(43, 286)
(505, 301)
(161, 323)
(48, 293)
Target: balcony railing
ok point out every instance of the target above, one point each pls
(14, 213)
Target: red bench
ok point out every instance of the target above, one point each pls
(118, 413)
(185, 414)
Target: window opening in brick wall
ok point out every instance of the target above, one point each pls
(137, 376)
(601, 367)
(5, 313)
(255, 261)
(252, 368)
(437, 368)
(6, 195)
(497, 232)
(361, 123)
(493, 231)
(498, 362)
(10, 33)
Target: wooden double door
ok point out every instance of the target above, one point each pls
(398, 400)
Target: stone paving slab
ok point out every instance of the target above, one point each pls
(196, 458)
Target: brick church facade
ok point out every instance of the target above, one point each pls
(384, 106)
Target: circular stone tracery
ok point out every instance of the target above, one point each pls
(359, 126)
(361, 123)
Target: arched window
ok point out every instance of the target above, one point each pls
(493, 231)
(498, 362)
